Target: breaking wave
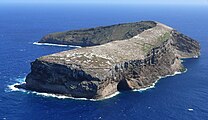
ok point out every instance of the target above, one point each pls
(21, 81)
(160, 77)
(59, 45)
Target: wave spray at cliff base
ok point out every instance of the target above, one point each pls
(160, 77)
(21, 81)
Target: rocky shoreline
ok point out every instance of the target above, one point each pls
(113, 65)
(15, 87)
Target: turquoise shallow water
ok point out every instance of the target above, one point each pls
(180, 97)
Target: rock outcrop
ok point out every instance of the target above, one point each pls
(124, 63)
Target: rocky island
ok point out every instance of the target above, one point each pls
(113, 58)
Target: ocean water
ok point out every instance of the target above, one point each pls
(182, 97)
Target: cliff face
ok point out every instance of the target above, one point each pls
(99, 71)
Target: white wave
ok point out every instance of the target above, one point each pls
(68, 97)
(21, 81)
(59, 96)
(146, 88)
(107, 97)
(160, 77)
(50, 95)
(59, 45)
(12, 88)
(195, 56)
(190, 109)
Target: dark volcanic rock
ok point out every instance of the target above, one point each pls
(98, 35)
(99, 71)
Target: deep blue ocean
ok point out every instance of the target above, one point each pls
(182, 97)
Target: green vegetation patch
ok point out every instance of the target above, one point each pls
(164, 37)
(147, 47)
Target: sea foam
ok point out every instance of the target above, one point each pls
(160, 77)
(59, 45)
(190, 109)
(68, 97)
(12, 88)
(21, 81)
(59, 96)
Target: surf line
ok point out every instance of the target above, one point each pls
(59, 96)
(59, 45)
(160, 77)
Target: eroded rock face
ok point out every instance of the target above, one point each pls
(99, 71)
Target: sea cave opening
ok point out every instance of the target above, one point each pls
(123, 85)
